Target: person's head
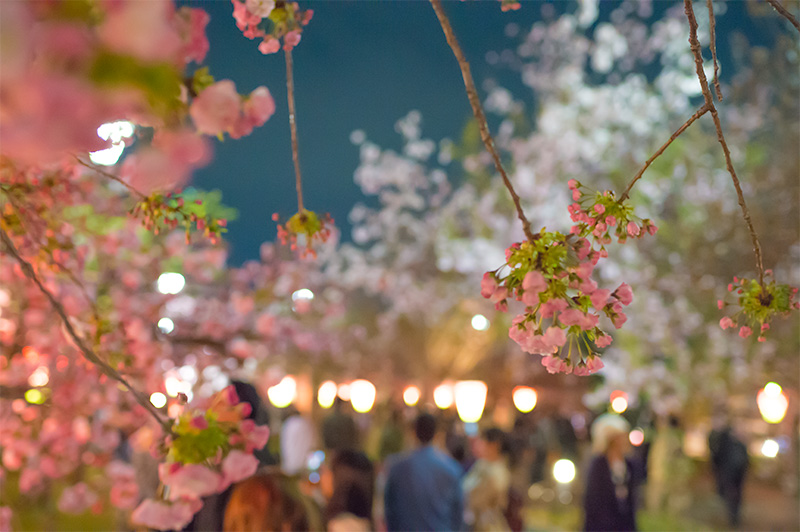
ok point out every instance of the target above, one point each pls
(261, 503)
(610, 435)
(425, 428)
(493, 443)
(349, 484)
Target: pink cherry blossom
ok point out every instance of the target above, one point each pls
(238, 466)
(584, 270)
(720, 304)
(216, 109)
(603, 340)
(499, 295)
(619, 319)
(269, 45)
(190, 481)
(555, 336)
(488, 284)
(624, 294)
(633, 229)
(551, 306)
(594, 364)
(163, 515)
(76, 499)
(291, 40)
(141, 29)
(745, 331)
(611, 220)
(191, 25)
(572, 184)
(576, 194)
(599, 209)
(726, 323)
(260, 8)
(5, 519)
(599, 298)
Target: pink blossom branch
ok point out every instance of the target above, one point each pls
(701, 76)
(477, 110)
(700, 112)
(87, 352)
(784, 12)
(713, 46)
(293, 127)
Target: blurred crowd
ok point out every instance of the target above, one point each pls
(408, 469)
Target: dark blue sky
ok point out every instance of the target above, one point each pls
(360, 65)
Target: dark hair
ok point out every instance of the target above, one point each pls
(353, 485)
(265, 502)
(495, 435)
(247, 393)
(425, 427)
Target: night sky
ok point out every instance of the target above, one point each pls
(360, 65)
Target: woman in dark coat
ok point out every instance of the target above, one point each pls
(609, 502)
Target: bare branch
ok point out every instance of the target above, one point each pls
(785, 13)
(110, 176)
(293, 126)
(477, 110)
(87, 352)
(713, 46)
(701, 76)
(700, 112)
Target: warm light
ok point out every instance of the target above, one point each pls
(114, 131)
(480, 322)
(362, 395)
(170, 283)
(411, 395)
(564, 471)
(303, 293)
(326, 394)
(343, 391)
(636, 437)
(282, 394)
(158, 399)
(772, 403)
(524, 398)
(619, 405)
(166, 325)
(470, 400)
(770, 448)
(40, 377)
(443, 395)
(34, 396)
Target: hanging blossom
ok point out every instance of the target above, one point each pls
(271, 21)
(552, 276)
(305, 226)
(757, 305)
(207, 452)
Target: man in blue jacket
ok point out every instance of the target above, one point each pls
(423, 487)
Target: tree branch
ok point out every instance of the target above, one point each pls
(293, 127)
(700, 112)
(110, 176)
(477, 110)
(784, 12)
(713, 46)
(701, 76)
(87, 352)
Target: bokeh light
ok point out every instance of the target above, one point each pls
(636, 437)
(158, 399)
(772, 403)
(443, 395)
(411, 395)
(282, 394)
(770, 448)
(326, 394)
(480, 322)
(362, 395)
(524, 398)
(343, 391)
(564, 471)
(470, 400)
(170, 283)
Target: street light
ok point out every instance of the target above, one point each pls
(327, 394)
(772, 403)
(282, 394)
(470, 400)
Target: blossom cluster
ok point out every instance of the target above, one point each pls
(552, 276)
(271, 21)
(207, 451)
(758, 305)
(167, 211)
(218, 108)
(601, 215)
(308, 225)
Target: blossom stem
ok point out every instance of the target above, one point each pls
(713, 46)
(700, 112)
(87, 352)
(701, 76)
(111, 176)
(293, 127)
(782, 10)
(477, 110)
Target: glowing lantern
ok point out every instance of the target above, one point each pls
(772, 403)
(326, 394)
(619, 401)
(343, 391)
(470, 400)
(282, 394)
(443, 395)
(362, 395)
(524, 398)
(411, 395)
(564, 471)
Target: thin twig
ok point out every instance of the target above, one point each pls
(111, 176)
(700, 112)
(713, 46)
(784, 12)
(293, 126)
(701, 76)
(477, 110)
(87, 352)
